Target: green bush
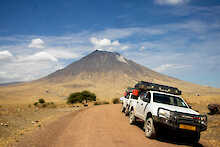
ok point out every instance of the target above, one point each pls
(97, 103)
(35, 104)
(74, 98)
(41, 101)
(116, 101)
(80, 97)
(105, 102)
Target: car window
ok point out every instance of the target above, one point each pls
(148, 95)
(134, 97)
(180, 103)
(169, 100)
(141, 96)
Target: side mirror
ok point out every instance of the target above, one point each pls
(146, 100)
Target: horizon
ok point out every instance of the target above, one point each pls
(178, 38)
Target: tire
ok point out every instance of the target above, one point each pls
(149, 128)
(195, 138)
(123, 109)
(127, 111)
(132, 118)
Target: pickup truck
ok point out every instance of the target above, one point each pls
(124, 102)
(161, 109)
(129, 101)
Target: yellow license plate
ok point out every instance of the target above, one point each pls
(187, 127)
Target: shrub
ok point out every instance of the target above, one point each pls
(80, 97)
(105, 102)
(41, 101)
(35, 104)
(116, 101)
(74, 98)
(51, 105)
(97, 103)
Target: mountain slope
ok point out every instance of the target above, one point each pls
(104, 62)
(105, 73)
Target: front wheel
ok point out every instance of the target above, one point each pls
(150, 131)
(195, 138)
(132, 118)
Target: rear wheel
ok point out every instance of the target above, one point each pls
(122, 109)
(127, 111)
(132, 118)
(150, 131)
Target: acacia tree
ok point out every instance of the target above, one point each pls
(81, 96)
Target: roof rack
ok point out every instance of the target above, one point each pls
(146, 86)
(129, 90)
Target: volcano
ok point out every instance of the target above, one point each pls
(104, 63)
(105, 73)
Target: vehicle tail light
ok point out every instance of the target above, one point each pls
(197, 118)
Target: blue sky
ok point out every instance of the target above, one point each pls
(180, 38)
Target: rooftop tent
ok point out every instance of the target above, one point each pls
(142, 85)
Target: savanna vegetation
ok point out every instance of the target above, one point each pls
(80, 97)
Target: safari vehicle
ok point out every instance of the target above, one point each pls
(162, 106)
(127, 94)
(130, 100)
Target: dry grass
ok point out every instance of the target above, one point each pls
(212, 135)
(23, 118)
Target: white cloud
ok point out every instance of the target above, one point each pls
(62, 54)
(103, 42)
(115, 43)
(40, 56)
(168, 67)
(171, 2)
(115, 33)
(124, 47)
(5, 55)
(36, 43)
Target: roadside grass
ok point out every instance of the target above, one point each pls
(101, 103)
(19, 119)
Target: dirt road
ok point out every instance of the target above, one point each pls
(98, 126)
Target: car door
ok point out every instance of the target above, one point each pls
(145, 100)
(138, 106)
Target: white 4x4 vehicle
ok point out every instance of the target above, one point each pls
(129, 101)
(162, 109)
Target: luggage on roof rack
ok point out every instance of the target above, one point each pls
(142, 85)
